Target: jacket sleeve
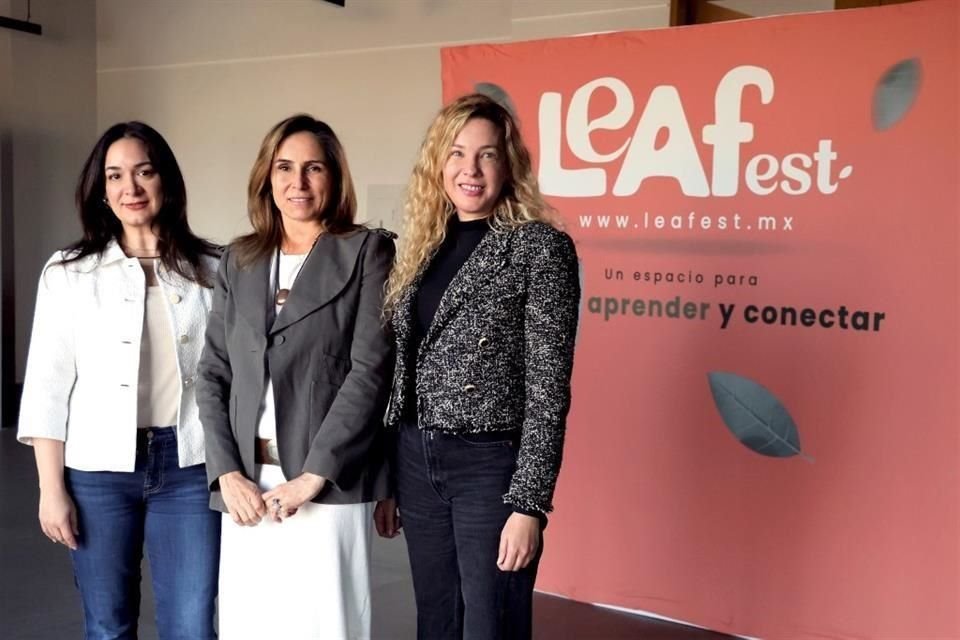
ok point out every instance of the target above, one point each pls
(350, 427)
(51, 365)
(550, 328)
(215, 378)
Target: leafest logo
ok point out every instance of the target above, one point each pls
(567, 124)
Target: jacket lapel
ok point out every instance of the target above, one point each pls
(403, 313)
(251, 291)
(324, 275)
(480, 268)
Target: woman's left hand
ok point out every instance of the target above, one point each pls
(519, 542)
(284, 500)
(386, 517)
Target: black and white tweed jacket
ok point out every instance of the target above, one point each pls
(499, 352)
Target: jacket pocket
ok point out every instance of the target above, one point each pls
(332, 370)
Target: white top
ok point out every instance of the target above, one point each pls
(84, 362)
(158, 397)
(290, 266)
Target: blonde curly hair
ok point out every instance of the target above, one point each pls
(428, 208)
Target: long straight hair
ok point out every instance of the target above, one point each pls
(180, 250)
(340, 212)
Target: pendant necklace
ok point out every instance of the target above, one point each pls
(282, 294)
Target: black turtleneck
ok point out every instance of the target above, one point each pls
(462, 238)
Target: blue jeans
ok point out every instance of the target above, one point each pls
(160, 505)
(450, 493)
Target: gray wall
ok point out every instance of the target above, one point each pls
(213, 77)
(48, 105)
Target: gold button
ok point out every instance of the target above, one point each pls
(469, 388)
(175, 298)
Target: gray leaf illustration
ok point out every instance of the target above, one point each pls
(754, 415)
(895, 93)
(498, 94)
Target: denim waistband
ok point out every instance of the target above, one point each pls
(473, 436)
(156, 434)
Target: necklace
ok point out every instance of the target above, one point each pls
(139, 253)
(283, 293)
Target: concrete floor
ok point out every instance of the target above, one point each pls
(38, 600)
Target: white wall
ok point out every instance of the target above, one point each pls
(48, 106)
(763, 8)
(213, 76)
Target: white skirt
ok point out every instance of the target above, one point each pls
(303, 579)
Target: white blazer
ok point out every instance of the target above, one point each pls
(84, 361)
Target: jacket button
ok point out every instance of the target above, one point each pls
(189, 380)
(469, 388)
(483, 342)
(175, 298)
(279, 340)
(184, 339)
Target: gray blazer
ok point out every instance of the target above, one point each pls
(498, 355)
(330, 359)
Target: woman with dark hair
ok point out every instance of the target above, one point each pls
(294, 381)
(483, 301)
(109, 400)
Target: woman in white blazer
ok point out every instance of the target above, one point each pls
(109, 400)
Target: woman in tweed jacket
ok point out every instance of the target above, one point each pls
(483, 300)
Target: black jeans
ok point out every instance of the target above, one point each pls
(450, 493)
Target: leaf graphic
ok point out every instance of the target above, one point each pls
(754, 415)
(498, 94)
(895, 93)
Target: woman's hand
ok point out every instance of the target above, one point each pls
(58, 517)
(58, 514)
(519, 542)
(242, 498)
(284, 500)
(386, 517)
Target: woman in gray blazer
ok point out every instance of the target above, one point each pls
(294, 381)
(483, 301)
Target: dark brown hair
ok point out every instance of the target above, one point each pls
(180, 250)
